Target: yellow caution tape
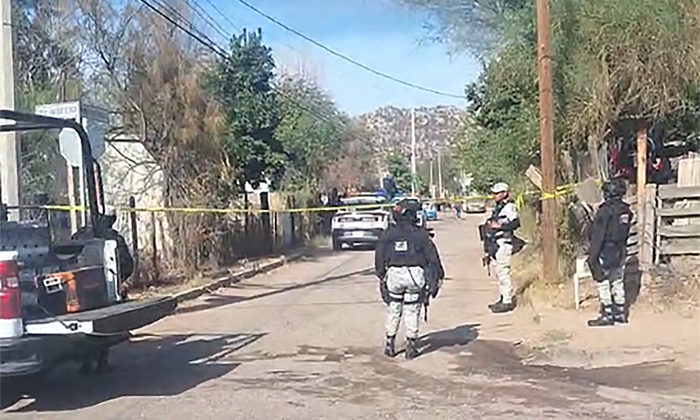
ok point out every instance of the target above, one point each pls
(560, 191)
(206, 210)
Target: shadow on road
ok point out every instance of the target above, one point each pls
(321, 252)
(454, 337)
(216, 301)
(154, 366)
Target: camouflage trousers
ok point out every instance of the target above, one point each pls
(502, 264)
(405, 285)
(612, 289)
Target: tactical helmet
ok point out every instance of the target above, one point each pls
(614, 188)
(405, 211)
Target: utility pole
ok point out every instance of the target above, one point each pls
(440, 173)
(550, 265)
(642, 140)
(9, 145)
(413, 151)
(432, 184)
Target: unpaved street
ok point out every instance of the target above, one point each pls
(303, 342)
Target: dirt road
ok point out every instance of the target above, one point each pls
(303, 342)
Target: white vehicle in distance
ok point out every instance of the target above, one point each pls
(360, 226)
(421, 218)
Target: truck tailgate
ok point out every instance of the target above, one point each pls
(114, 319)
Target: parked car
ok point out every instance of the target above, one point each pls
(362, 225)
(430, 210)
(475, 206)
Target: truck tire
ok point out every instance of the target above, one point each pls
(337, 245)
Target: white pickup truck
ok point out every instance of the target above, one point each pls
(361, 225)
(60, 299)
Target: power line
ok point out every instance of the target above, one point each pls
(193, 31)
(217, 10)
(346, 58)
(201, 12)
(216, 50)
(233, 24)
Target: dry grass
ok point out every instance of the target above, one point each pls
(674, 286)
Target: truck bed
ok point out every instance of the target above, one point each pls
(118, 318)
(55, 339)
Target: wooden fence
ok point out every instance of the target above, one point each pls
(677, 230)
(672, 219)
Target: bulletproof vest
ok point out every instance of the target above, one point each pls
(617, 229)
(497, 210)
(495, 216)
(405, 249)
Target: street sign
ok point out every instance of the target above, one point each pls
(69, 145)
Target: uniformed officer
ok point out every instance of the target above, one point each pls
(608, 251)
(502, 225)
(105, 230)
(409, 268)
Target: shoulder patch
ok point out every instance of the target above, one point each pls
(624, 219)
(401, 246)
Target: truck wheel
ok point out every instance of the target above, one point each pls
(337, 245)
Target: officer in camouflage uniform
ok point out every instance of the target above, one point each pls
(608, 251)
(502, 225)
(409, 268)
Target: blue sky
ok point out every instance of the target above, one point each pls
(379, 33)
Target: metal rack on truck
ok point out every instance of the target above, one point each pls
(60, 299)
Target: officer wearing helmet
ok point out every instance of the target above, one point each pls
(502, 225)
(105, 230)
(607, 253)
(408, 266)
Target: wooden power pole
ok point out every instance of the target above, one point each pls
(550, 266)
(642, 140)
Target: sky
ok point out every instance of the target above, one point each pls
(381, 34)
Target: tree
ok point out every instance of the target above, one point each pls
(242, 82)
(44, 64)
(619, 65)
(474, 26)
(399, 170)
(354, 165)
(640, 61)
(153, 77)
(312, 142)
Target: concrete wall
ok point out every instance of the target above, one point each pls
(128, 169)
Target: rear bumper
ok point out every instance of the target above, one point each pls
(21, 356)
(115, 319)
(359, 236)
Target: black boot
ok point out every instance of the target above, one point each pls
(620, 314)
(605, 318)
(389, 347)
(501, 308)
(494, 304)
(411, 349)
